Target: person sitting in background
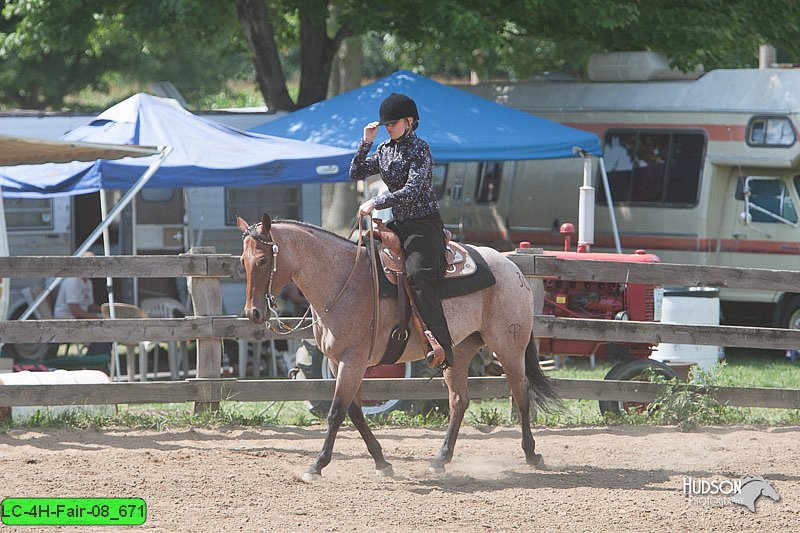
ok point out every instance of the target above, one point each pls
(76, 300)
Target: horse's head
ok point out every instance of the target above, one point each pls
(260, 262)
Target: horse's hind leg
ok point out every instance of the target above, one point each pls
(456, 379)
(514, 368)
(348, 382)
(382, 467)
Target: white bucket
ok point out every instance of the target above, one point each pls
(696, 305)
(57, 377)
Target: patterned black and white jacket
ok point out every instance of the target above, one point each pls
(406, 166)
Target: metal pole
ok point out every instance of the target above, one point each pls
(134, 250)
(610, 202)
(124, 201)
(109, 283)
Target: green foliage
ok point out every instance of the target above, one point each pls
(488, 416)
(51, 48)
(687, 406)
(403, 419)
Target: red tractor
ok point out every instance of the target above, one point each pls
(602, 300)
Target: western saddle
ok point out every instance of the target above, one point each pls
(390, 252)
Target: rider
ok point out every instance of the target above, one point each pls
(405, 164)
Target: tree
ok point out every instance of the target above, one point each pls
(515, 37)
(52, 48)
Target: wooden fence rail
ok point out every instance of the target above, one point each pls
(208, 328)
(216, 390)
(229, 327)
(228, 266)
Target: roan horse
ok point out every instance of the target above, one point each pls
(321, 262)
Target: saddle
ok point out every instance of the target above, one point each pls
(459, 263)
(393, 263)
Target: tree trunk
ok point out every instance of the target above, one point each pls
(260, 34)
(347, 67)
(316, 55)
(340, 200)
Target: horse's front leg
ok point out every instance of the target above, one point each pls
(382, 467)
(456, 379)
(348, 382)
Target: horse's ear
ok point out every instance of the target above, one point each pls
(241, 223)
(266, 223)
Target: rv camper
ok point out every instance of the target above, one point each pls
(703, 171)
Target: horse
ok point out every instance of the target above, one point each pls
(322, 264)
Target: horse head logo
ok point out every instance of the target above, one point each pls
(752, 488)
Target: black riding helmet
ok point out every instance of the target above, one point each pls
(397, 106)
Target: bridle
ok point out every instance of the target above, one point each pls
(261, 239)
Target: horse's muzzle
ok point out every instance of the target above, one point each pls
(255, 316)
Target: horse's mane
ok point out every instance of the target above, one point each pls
(313, 227)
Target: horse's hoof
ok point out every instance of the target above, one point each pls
(310, 477)
(536, 461)
(436, 469)
(385, 472)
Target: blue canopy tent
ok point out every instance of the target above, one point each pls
(457, 125)
(204, 153)
(197, 153)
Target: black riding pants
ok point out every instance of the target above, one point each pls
(423, 243)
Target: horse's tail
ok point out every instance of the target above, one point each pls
(542, 392)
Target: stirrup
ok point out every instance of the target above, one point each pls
(432, 361)
(436, 356)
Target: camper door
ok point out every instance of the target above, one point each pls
(763, 220)
(474, 201)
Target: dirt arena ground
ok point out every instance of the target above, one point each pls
(597, 479)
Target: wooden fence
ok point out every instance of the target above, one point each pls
(204, 270)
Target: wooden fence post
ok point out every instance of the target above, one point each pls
(207, 301)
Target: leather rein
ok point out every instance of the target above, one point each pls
(266, 240)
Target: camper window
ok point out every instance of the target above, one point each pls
(770, 131)
(157, 195)
(280, 201)
(439, 180)
(653, 167)
(770, 200)
(490, 174)
(28, 213)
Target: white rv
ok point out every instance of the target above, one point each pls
(703, 171)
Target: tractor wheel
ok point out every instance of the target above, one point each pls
(22, 352)
(635, 370)
(312, 364)
(791, 314)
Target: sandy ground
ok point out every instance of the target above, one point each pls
(244, 479)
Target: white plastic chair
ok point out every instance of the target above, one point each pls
(122, 310)
(164, 307)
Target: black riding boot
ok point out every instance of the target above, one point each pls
(423, 243)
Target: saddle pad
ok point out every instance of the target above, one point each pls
(451, 288)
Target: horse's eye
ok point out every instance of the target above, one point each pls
(263, 261)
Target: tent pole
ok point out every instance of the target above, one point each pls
(610, 203)
(109, 283)
(124, 201)
(134, 250)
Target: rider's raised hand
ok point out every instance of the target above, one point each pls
(367, 207)
(371, 131)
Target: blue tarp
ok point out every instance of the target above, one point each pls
(457, 125)
(205, 154)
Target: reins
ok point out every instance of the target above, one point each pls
(286, 329)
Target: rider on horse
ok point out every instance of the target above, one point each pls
(405, 164)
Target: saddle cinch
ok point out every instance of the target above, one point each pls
(393, 263)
